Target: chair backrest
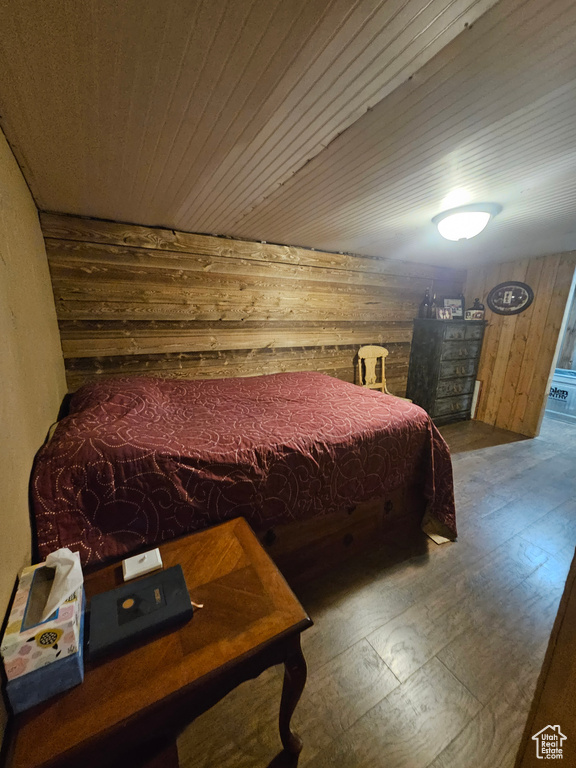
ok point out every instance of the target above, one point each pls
(369, 356)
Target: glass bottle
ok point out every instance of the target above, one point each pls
(433, 307)
(424, 308)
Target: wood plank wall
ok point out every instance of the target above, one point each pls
(138, 300)
(519, 350)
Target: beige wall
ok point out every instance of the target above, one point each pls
(31, 365)
(519, 350)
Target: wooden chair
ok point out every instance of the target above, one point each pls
(370, 355)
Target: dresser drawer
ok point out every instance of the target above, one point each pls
(444, 359)
(452, 369)
(450, 387)
(474, 331)
(456, 350)
(448, 405)
(454, 332)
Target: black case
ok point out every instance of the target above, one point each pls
(124, 616)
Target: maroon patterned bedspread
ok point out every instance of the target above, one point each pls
(142, 460)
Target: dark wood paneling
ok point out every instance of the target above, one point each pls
(136, 300)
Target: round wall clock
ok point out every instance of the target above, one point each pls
(510, 298)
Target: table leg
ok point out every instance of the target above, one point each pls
(294, 681)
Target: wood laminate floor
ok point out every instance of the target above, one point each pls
(426, 657)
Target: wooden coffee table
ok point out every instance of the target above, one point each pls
(132, 707)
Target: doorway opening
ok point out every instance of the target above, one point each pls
(561, 398)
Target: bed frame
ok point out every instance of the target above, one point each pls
(305, 549)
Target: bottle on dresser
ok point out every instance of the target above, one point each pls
(424, 308)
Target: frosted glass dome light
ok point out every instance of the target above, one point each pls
(463, 226)
(466, 221)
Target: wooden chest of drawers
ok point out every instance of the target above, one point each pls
(443, 363)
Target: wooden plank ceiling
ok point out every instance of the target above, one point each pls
(329, 124)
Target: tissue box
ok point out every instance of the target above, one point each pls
(42, 659)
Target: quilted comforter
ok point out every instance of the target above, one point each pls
(141, 460)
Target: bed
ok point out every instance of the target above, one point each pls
(140, 460)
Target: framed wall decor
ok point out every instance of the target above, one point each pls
(457, 307)
(510, 298)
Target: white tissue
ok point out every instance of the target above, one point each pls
(67, 579)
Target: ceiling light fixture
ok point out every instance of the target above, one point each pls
(466, 221)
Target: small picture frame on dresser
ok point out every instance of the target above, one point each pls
(457, 307)
(444, 313)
